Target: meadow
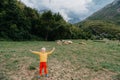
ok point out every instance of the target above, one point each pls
(94, 60)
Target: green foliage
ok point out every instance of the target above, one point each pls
(19, 22)
(14, 24)
(97, 29)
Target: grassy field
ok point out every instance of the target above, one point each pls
(94, 60)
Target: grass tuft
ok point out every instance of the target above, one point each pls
(31, 67)
(116, 77)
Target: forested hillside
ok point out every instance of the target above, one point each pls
(19, 22)
(104, 23)
(99, 29)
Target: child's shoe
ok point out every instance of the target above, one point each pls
(46, 75)
(38, 77)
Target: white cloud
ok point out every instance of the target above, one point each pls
(69, 9)
(64, 7)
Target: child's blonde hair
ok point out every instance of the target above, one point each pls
(43, 48)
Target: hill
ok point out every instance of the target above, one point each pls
(103, 23)
(109, 13)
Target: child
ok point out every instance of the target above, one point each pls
(43, 60)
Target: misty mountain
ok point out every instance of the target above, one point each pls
(110, 13)
(98, 4)
(72, 11)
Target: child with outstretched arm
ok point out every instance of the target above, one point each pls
(43, 60)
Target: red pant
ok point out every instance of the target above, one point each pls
(43, 65)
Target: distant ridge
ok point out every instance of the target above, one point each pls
(110, 13)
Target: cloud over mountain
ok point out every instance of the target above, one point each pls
(69, 9)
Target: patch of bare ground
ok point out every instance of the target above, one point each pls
(66, 71)
(58, 70)
(23, 73)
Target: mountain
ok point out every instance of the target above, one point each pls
(110, 13)
(104, 23)
(98, 4)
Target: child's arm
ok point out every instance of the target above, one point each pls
(51, 51)
(35, 52)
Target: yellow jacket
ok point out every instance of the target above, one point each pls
(43, 55)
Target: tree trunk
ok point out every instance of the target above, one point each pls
(46, 37)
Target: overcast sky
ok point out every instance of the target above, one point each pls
(69, 9)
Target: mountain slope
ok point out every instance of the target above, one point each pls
(110, 13)
(105, 23)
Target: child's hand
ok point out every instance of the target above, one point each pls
(53, 48)
(30, 50)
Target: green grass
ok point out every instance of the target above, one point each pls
(95, 56)
(116, 77)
